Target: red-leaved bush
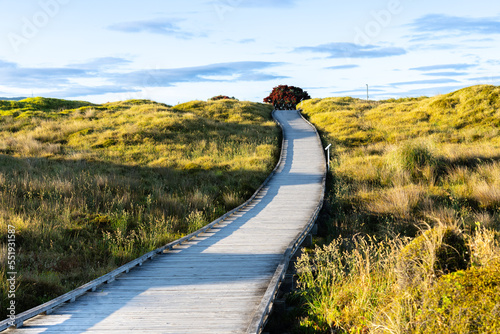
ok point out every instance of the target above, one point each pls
(286, 97)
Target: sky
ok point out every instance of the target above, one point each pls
(175, 51)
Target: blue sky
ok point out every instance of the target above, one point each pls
(174, 51)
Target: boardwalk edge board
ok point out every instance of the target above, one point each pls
(109, 277)
(265, 307)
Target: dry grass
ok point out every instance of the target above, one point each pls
(401, 202)
(416, 180)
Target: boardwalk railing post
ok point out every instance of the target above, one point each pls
(327, 149)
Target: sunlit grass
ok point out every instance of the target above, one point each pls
(90, 187)
(412, 214)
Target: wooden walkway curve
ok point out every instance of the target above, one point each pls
(221, 280)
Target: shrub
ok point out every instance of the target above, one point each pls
(286, 97)
(456, 304)
(413, 158)
(440, 250)
(222, 97)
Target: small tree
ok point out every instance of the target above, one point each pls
(222, 97)
(286, 97)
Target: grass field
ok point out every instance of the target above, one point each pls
(89, 187)
(412, 221)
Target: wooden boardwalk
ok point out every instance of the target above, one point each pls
(216, 282)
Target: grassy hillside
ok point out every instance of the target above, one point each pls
(412, 221)
(90, 187)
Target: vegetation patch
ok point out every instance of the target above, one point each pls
(410, 227)
(465, 301)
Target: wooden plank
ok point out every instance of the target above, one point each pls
(221, 279)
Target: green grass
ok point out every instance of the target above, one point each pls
(89, 187)
(411, 225)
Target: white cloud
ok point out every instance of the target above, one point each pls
(351, 50)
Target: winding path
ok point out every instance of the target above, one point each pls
(223, 280)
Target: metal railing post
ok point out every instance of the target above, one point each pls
(327, 149)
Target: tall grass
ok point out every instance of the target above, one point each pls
(412, 216)
(90, 187)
